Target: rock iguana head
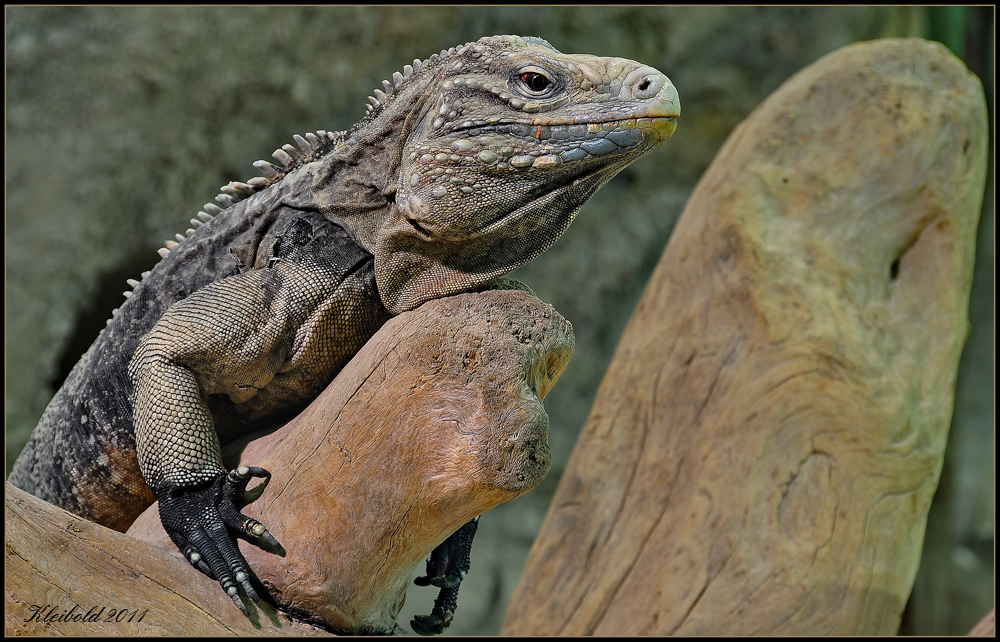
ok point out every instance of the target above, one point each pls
(514, 139)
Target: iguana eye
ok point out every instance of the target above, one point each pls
(534, 82)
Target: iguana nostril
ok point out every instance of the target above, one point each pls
(649, 85)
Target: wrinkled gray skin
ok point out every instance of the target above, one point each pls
(468, 165)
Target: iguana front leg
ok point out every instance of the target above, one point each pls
(232, 337)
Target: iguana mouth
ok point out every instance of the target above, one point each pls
(577, 129)
(578, 141)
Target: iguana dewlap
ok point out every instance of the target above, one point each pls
(468, 165)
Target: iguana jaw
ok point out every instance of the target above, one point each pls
(445, 175)
(579, 138)
(575, 181)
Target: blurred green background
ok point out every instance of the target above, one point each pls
(121, 122)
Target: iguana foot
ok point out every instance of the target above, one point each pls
(202, 521)
(446, 568)
(440, 617)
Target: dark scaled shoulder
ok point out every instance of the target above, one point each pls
(289, 238)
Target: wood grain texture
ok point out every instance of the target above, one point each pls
(764, 447)
(436, 420)
(61, 570)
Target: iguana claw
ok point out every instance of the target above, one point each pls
(238, 479)
(237, 494)
(433, 624)
(202, 521)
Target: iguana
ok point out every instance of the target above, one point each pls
(467, 165)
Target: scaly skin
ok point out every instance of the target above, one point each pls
(467, 166)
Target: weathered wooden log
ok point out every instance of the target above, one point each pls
(68, 576)
(437, 420)
(763, 450)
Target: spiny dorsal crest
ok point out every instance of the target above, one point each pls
(382, 97)
(310, 147)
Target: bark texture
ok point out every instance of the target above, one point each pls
(763, 450)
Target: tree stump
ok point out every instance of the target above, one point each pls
(436, 420)
(762, 452)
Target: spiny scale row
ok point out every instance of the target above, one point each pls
(388, 88)
(236, 191)
(287, 155)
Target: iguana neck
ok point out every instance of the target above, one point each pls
(357, 183)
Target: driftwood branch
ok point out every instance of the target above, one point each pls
(68, 576)
(437, 420)
(763, 450)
